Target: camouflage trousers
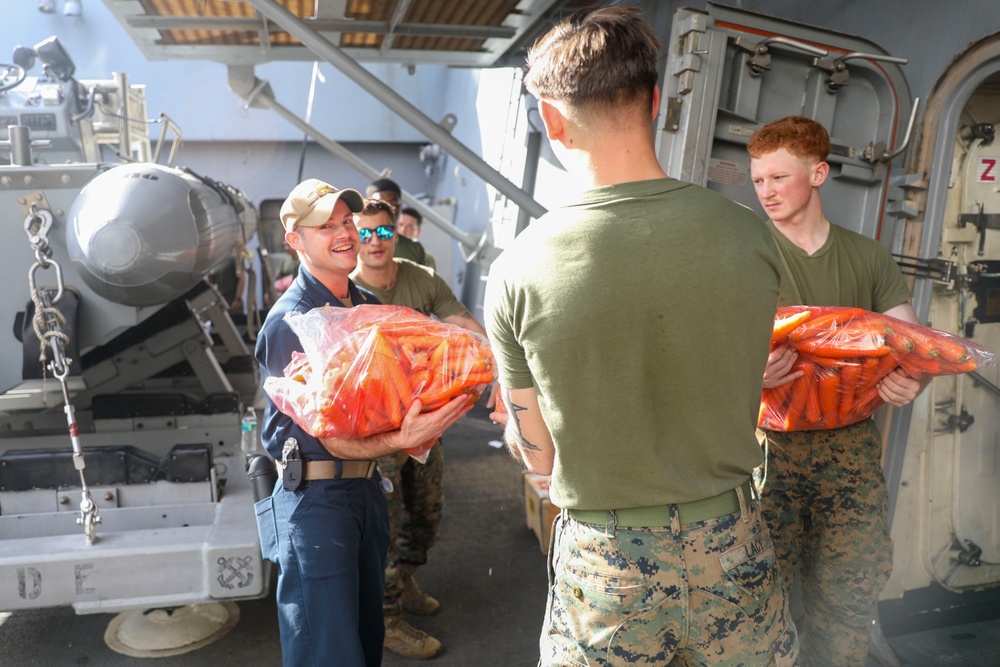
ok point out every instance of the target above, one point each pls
(415, 508)
(706, 593)
(824, 498)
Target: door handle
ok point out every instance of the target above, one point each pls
(880, 153)
(760, 56)
(837, 67)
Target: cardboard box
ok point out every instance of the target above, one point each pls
(539, 512)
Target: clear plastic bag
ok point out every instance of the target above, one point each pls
(363, 367)
(844, 353)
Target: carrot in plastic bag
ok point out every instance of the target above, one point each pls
(829, 394)
(850, 374)
(785, 325)
(825, 323)
(362, 368)
(858, 348)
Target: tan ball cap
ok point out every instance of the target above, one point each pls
(311, 202)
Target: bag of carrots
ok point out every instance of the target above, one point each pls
(844, 353)
(362, 368)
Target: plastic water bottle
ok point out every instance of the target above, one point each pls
(248, 439)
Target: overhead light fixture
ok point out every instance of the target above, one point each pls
(73, 8)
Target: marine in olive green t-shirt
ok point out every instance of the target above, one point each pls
(407, 248)
(849, 270)
(642, 316)
(416, 287)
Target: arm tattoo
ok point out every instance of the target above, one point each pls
(515, 438)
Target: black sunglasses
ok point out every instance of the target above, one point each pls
(385, 232)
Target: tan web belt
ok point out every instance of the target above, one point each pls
(727, 502)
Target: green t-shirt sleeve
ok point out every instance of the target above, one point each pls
(890, 289)
(498, 312)
(407, 248)
(445, 303)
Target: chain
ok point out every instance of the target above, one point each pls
(253, 312)
(48, 323)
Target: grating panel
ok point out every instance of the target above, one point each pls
(464, 33)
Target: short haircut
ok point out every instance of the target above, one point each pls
(414, 213)
(800, 136)
(598, 56)
(376, 206)
(383, 185)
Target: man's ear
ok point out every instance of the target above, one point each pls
(294, 240)
(554, 120)
(820, 172)
(656, 101)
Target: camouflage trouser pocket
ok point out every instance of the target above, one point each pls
(604, 609)
(737, 597)
(751, 583)
(591, 607)
(752, 567)
(600, 593)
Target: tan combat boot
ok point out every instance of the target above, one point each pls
(413, 599)
(403, 639)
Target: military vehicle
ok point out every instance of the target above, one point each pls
(122, 482)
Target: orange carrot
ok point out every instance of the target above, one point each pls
(471, 379)
(437, 356)
(799, 396)
(867, 378)
(821, 348)
(825, 362)
(867, 403)
(898, 341)
(772, 405)
(850, 374)
(424, 341)
(931, 344)
(780, 394)
(398, 395)
(952, 351)
(784, 325)
(970, 364)
(925, 346)
(436, 397)
(826, 323)
(886, 365)
(829, 395)
(914, 363)
(813, 410)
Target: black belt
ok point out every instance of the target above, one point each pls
(316, 470)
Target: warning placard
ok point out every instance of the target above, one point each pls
(726, 172)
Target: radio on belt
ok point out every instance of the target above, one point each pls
(291, 465)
